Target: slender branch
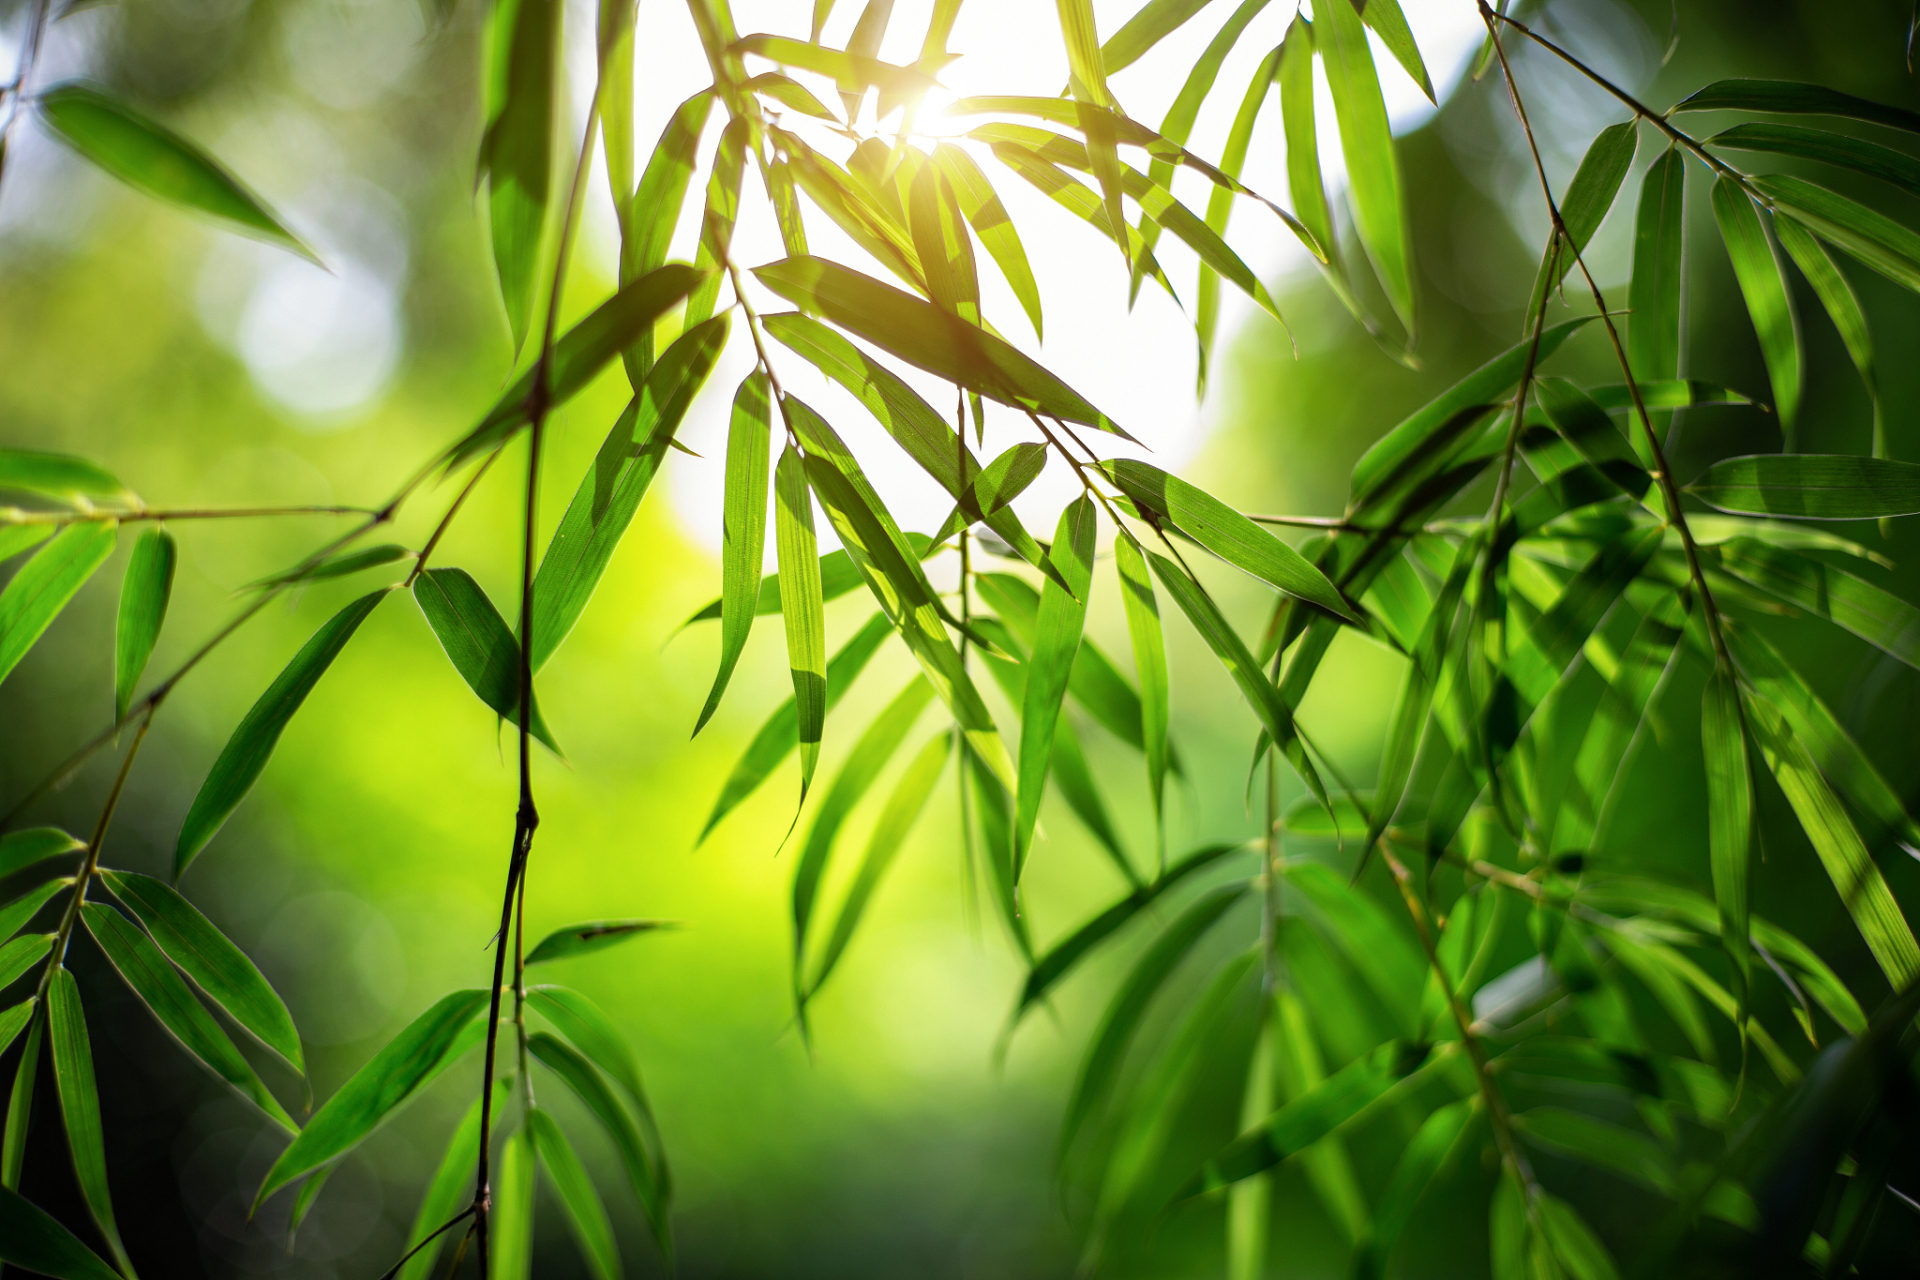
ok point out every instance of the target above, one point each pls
(446, 521)
(19, 515)
(58, 954)
(437, 1232)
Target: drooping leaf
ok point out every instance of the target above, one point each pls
(1876, 616)
(802, 609)
(744, 528)
(1063, 613)
(585, 1214)
(1225, 532)
(215, 964)
(1584, 207)
(146, 154)
(44, 584)
(450, 1189)
(716, 223)
(1152, 23)
(650, 218)
(921, 334)
(245, 756)
(1765, 289)
(377, 1090)
(1825, 147)
(1653, 292)
(1087, 83)
(589, 937)
(609, 494)
(22, 849)
(80, 1107)
(13, 1145)
(992, 224)
(20, 955)
(1787, 97)
(1373, 170)
(648, 1178)
(33, 1241)
(1150, 667)
(996, 485)
(1390, 24)
(780, 733)
(510, 1223)
(517, 149)
(940, 237)
(146, 970)
(59, 476)
(1434, 1146)
(15, 915)
(478, 642)
(1304, 181)
(339, 566)
(1812, 486)
(1875, 239)
(1842, 307)
(587, 1026)
(1729, 812)
(790, 93)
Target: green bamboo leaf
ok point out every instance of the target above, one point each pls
(33, 1241)
(215, 964)
(649, 219)
(802, 606)
(590, 936)
(1275, 716)
(1063, 614)
(1666, 393)
(868, 211)
(997, 484)
(923, 335)
(378, 1089)
(890, 830)
(144, 153)
(1589, 196)
(1083, 202)
(609, 494)
(13, 1145)
(1670, 989)
(1095, 683)
(1572, 1241)
(1764, 286)
(1152, 23)
(339, 566)
(716, 222)
(1129, 1005)
(1304, 182)
(594, 1034)
(852, 71)
(1862, 888)
(451, 1188)
(1549, 646)
(1390, 24)
(1434, 1147)
(1373, 172)
(516, 151)
(22, 849)
(837, 577)
(1060, 959)
(614, 40)
(1875, 239)
(59, 476)
(1824, 147)
(1729, 813)
(245, 756)
(585, 1213)
(1842, 307)
(80, 1107)
(649, 1180)
(863, 765)
(40, 590)
(1787, 97)
(990, 221)
(745, 529)
(1318, 1112)
(478, 642)
(146, 970)
(1073, 777)
(940, 238)
(510, 1221)
(790, 93)
(15, 915)
(933, 49)
(1150, 667)
(1812, 486)
(1389, 960)
(15, 538)
(1220, 209)
(1087, 82)
(1653, 292)
(1881, 619)
(20, 955)
(586, 348)
(1225, 532)
(14, 1020)
(1419, 446)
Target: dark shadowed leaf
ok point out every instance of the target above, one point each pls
(1729, 811)
(33, 1241)
(22, 849)
(1653, 294)
(1812, 486)
(1764, 286)
(1788, 97)
(1876, 616)
(585, 1214)
(478, 642)
(450, 1189)
(80, 1106)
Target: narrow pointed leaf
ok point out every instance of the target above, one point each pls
(1063, 614)
(1887, 246)
(940, 238)
(451, 1188)
(1802, 143)
(478, 642)
(20, 955)
(1653, 292)
(1841, 303)
(591, 936)
(13, 1145)
(517, 151)
(1390, 24)
(511, 1220)
(1788, 97)
(245, 756)
(1729, 812)
(992, 224)
(591, 1031)
(585, 1214)
(146, 970)
(1584, 207)
(44, 584)
(1149, 664)
(1152, 23)
(22, 849)
(995, 486)
(33, 1241)
(648, 1178)
(1305, 185)
(80, 1107)
(1765, 289)
(377, 1090)
(1073, 778)
(15, 915)
(716, 223)
(744, 528)
(1367, 142)
(144, 153)
(1433, 1147)
(654, 212)
(1876, 616)
(802, 609)
(143, 606)
(1812, 486)
(59, 476)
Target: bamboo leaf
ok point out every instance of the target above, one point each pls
(144, 153)
(589, 937)
(800, 601)
(15, 915)
(339, 566)
(940, 238)
(15, 538)
(1095, 683)
(20, 955)
(1087, 81)
(591, 1031)
(1152, 23)
(1787, 97)
(1063, 614)
(1373, 171)
(780, 733)
(1812, 486)
(1821, 146)
(609, 494)
(1881, 619)
(1434, 1147)
(1590, 195)
(245, 756)
(1225, 532)
(649, 219)
(1765, 288)
(1073, 777)
(450, 1189)
(517, 149)
(997, 485)
(33, 1241)
(1304, 182)
(511, 1218)
(13, 1144)
(1150, 667)
(923, 335)
(1573, 1243)
(649, 1181)
(62, 477)
(790, 93)
(215, 964)
(990, 221)
(146, 970)
(378, 1089)
(478, 642)
(1390, 24)
(852, 71)
(890, 830)
(80, 1107)
(36, 594)
(1729, 813)
(744, 528)
(1659, 265)
(585, 1213)
(1011, 147)
(1862, 888)
(1842, 307)
(22, 849)
(1875, 239)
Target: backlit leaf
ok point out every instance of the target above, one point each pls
(1802, 143)
(1367, 142)
(1150, 667)
(1152, 23)
(1875, 239)
(1063, 613)
(511, 1219)
(451, 1188)
(517, 149)
(589, 937)
(1729, 811)
(1764, 286)
(1876, 616)
(744, 528)
(80, 1106)
(802, 608)
(22, 849)
(991, 223)
(1788, 97)
(478, 642)
(40, 590)
(1588, 198)
(648, 1179)
(1653, 293)
(585, 1213)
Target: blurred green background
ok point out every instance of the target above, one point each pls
(363, 872)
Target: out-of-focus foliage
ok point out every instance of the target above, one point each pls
(1570, 938)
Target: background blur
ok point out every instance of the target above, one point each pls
(363, 872)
